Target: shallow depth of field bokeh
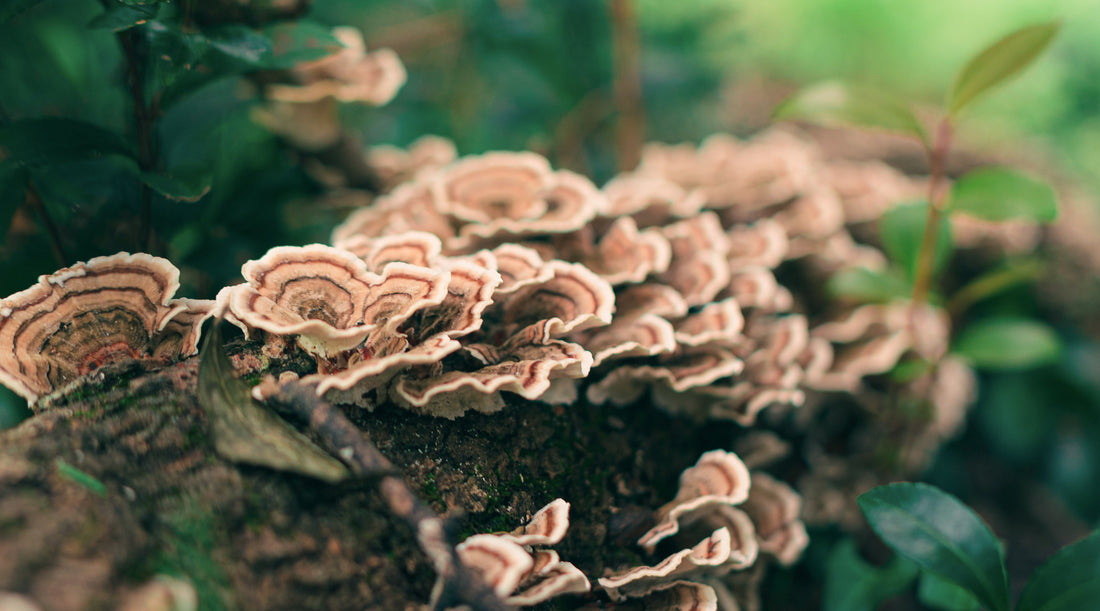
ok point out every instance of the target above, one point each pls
(517, 74)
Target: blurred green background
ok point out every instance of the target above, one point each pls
(516, 74)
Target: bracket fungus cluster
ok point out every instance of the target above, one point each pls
(720, 523)
(519, 566)
(78, 319)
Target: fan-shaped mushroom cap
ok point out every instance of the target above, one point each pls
(774, 508)
(492, 187)
(546, 527)
(525, 370)
(82, 317)
(519, 266)
(500, 563)
(720, 322)
(555, 579)
(867, 189)
(650, 200)
(409, 207)
(706, 556)
(718, 478)
(756, 287)
(699, 269)
(815, 215)
(644, 335)
(180, 334)
(764, 243)
(773, 167)
(624, 255)
(688, 369)
(413, 247)
(573, 299)
(682, 596)
(349, 75)
(327, 296)
(652, 298)
(393, 165)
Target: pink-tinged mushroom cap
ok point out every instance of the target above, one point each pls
(413, 247)
(180, 334)
(867, 189)
(573, 299)
(546, 527)
(519, 267)
(525, 370)
(764, 244)
(774, 508)
(677, 372)
(557, 579)
(652, 298)
(393, 165)
(328, 298)
(718, 478)
(493, 187)
(707, 556)
(682, 596)
(699, 269)
(649, 199)
(720, 322)
(349, 75)
(624, 255)
(409, 207)
(80, 318)
(500, 563)
(645, 335)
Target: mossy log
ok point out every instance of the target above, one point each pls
(118, 481)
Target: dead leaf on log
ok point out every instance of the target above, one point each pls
(245, 432)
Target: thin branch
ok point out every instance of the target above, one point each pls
(144, 114)
(35, 202)
(626, 52)
(456, 583)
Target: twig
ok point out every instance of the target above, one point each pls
(35, 201)
(456, 584)
(143, 120)
(630, 130)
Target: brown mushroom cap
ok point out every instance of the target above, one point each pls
(546, 527)
(500, 563)
(774, 508)
(80, 318)
(699, 269)
(712, 552)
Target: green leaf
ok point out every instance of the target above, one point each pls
(1068, 581)
(939, 593)
(49, 141)
(121, 17)
(902, 230)
(867, 286)
(1008, 343)
(187, 185)
(244, 432)
(999, 194)
(942, 535)
(834, 103)
(80, 478)
(299, 41)
(12, 8)
(241, 43)
(853, 585)
(998, 62)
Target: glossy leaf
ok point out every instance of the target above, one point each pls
(867, 286)
(851, 584)
(902, 230)
(1068, 581)
(999, 194)
(49, 141)
(834, 103)
(245, 432)
(942, 535)
(939, 593)
(999, 62)
(241, 43)
(299, 41)
(1008, 343)
(188, 186)
(10, 9)
(119, 17)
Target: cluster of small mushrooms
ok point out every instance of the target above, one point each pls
(477, 278)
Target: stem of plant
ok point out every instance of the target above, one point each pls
(627, 85)
(937, 195)
(143, 120)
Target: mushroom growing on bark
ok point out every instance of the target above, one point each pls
(80, 318)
